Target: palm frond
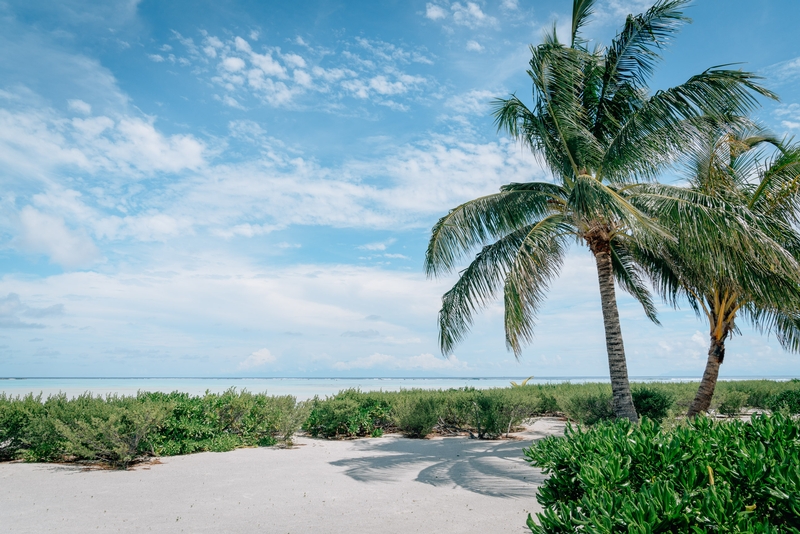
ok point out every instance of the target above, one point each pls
(630, 278)
(478, 283)
(581, 12)
(630, 59)
(475, 222)
(654, 133)
(537, 263)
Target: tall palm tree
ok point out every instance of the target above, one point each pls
(596, 127)
(753, 273)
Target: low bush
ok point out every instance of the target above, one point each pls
(349, 413)
(589, 408)
(652, 403)
(417, 416)
(117, 436)
(788, 401)
(731, 402)
(119, 430)
(702, 476)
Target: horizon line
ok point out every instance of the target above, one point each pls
(358, 377)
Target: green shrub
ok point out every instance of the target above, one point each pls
(703, 476)
(548, 404)
(732, 402)
(652, 403)
(223, 422)
(590, 408)
(416, 416)
(15, 421)
(118, 436)
(349, 413)
(787, 400)
(118, 430)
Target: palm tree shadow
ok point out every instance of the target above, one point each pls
(492, 468)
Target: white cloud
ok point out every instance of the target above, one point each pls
(425, 361)
(302, 78)
(158, 58)
(247, 199)
(509, 4)
(615, 11)
(233, 64)
(699, 339)
(258, 359)
(35, 142)
(784, 71)
(247, 230)
(434, 12)
(380, 245)
(471, 15)
(295, 60)
(789, 115)
(365, 334)
(475, 102)
(230, 101)
(474, 46)
(46, 234)
(79, 106)
(366, 70)
(13, 310)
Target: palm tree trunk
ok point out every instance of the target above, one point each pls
(716, 353)
(617, 366)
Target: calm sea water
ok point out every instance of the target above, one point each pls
(302, 388)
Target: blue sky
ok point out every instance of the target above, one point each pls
(246, 188)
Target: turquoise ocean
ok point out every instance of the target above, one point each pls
(302, 388)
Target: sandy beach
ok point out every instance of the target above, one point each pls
(389, 484)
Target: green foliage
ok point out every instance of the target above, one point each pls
(416, 416)
(703, 476)
(416, 413)
(119, 430)
(117, 434)
(788, 400)
(652, 403)
(590, 407)
(350, 413)
(732, 402)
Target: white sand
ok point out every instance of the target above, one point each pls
(387, 485)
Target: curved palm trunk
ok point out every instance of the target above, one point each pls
(617, 366)
(701, 402)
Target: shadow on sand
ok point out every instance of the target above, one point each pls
(492, 468)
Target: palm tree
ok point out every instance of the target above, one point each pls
(599, 132)
(752, 273)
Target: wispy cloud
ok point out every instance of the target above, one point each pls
(363, 69)
(783, 72)
(788, 115)
(425, 362)
(12, 311)
(468, 14)
(259, 358)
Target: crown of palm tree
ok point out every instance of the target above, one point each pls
(750, 270)
(594, 124)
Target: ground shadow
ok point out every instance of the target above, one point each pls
(493, 468)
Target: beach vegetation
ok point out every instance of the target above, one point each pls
(699, 476)
(120, 430)
(350, 413)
